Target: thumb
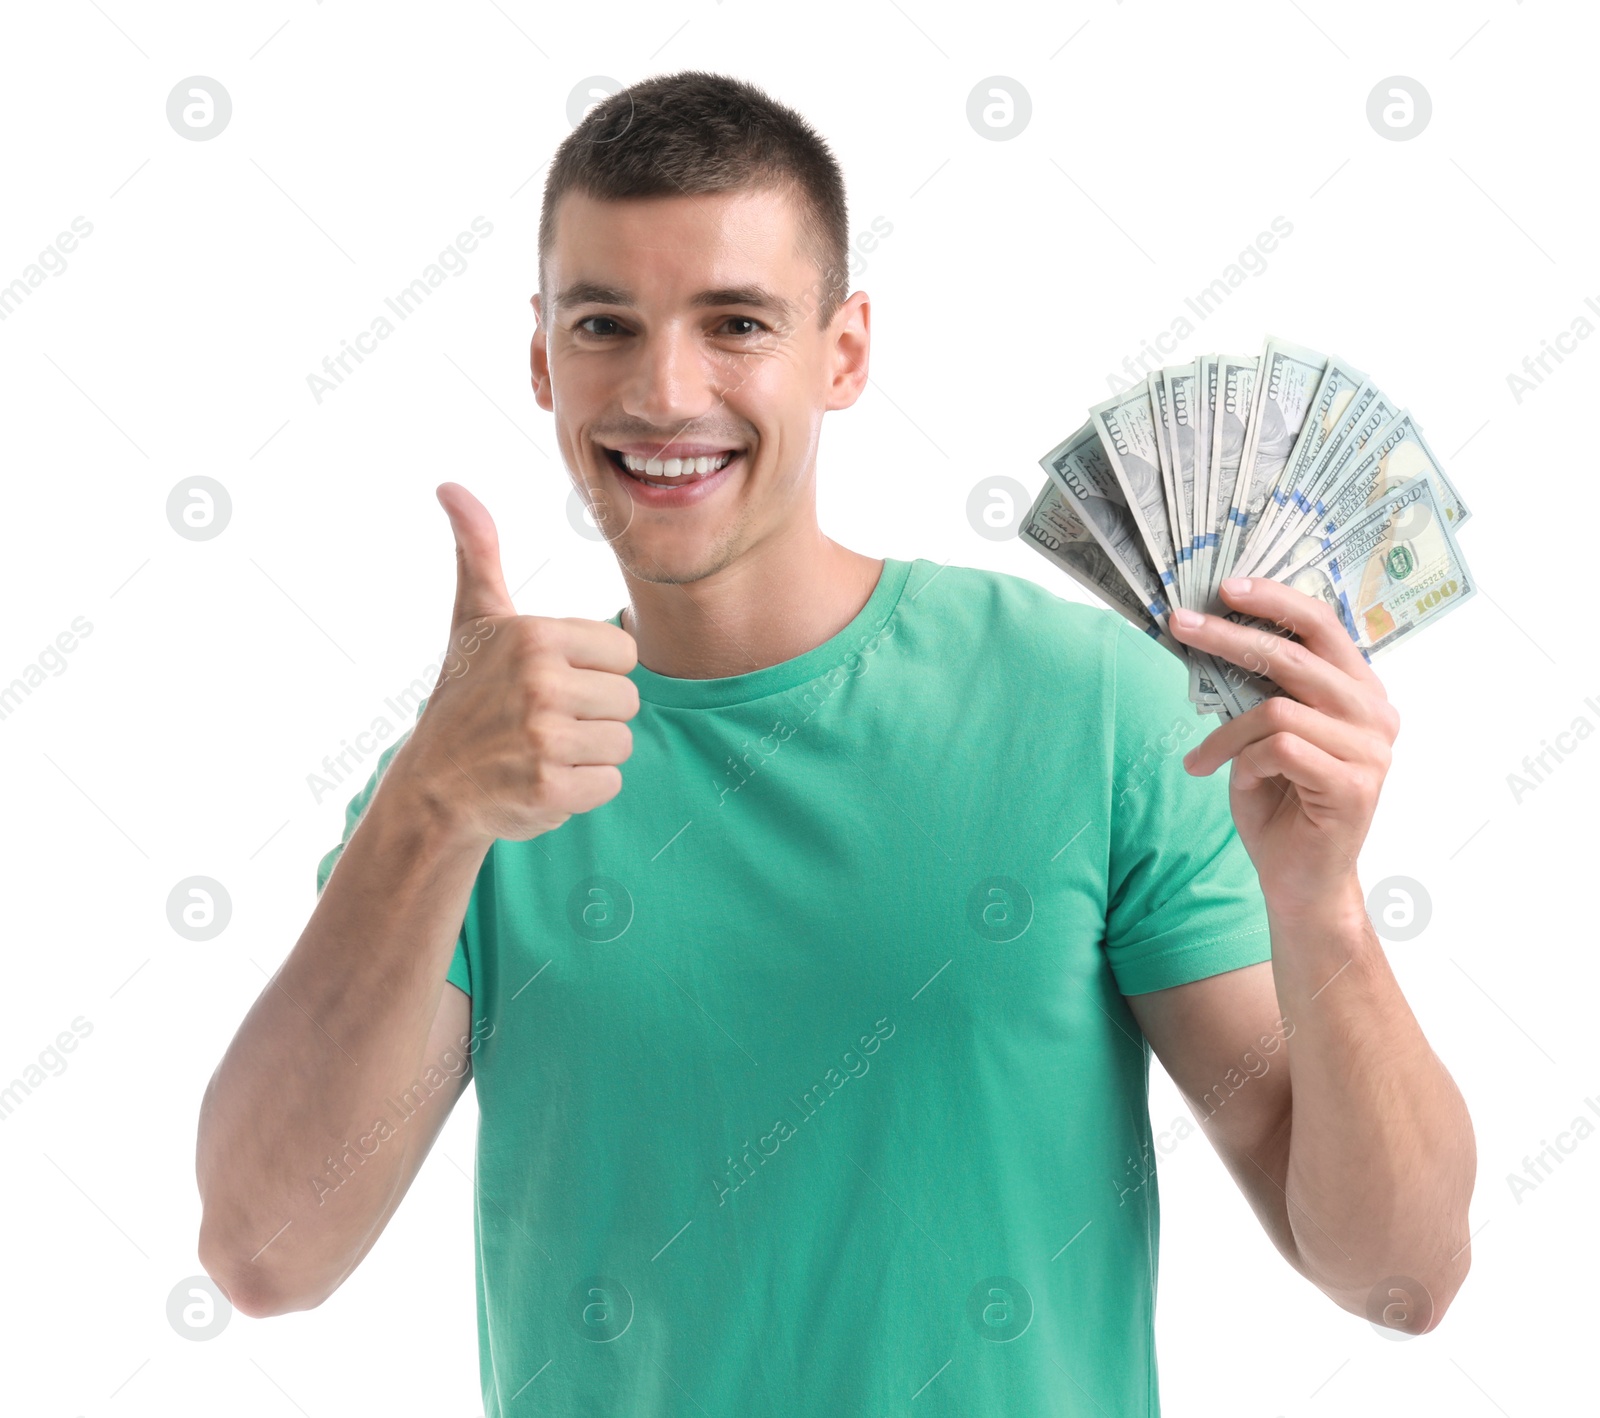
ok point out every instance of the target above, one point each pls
(480, 584)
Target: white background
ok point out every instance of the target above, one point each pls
(179, 738)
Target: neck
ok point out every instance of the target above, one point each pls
(780, 598)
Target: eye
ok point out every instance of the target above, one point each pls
(589, 320)
(748, 320)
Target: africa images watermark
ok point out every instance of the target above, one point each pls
(1537, 767)
(370, 740)
(52, 261)
(1153, 752)
(856, 1063)
(1137, 1171)
(51, 659)
(50, 1064)
(405, 1107)
(1204, 303)
(812, 697)
(1539, 1168)
(1536, 367)
(404, 303)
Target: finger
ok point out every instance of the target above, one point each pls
(1279, 715)
(480, 584)
(1291, 664)
(595, 741)
(1318, 625)
(595, 644)
(601, 694)
(571, 789)
(1312, 771)
(584, 787)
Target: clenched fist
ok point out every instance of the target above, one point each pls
(528, 721)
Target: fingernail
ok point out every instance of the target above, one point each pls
(1188, 619)
(1239, 585)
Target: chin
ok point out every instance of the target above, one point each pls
(674, 561)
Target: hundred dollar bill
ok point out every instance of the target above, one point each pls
(1240, 689)
(1236, 687)
(1156, 388)
(1284, 388)
(1182, 412)
(1205, 408)
(1078, 465)
(1216, 686)
(1055, 530)
(1335, 390)
(1126, 428)
(1209, 681)
(1269, 466)
(1235, 387)
(1391, 570)
(1394, 454)
(1108, 561)
(1369, 410)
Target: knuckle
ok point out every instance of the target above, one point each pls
(625, 643)
(1285, 746)
(541, 732)
(541, 779)
(534, 634)
(1294, 653)
(542, 690)
(1279, 711)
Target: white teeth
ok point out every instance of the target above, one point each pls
(674, 467)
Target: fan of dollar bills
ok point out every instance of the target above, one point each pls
(1290, 465)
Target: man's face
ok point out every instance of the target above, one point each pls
(686, 327)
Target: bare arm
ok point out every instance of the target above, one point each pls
(1372, 1145)
(340, 1077)
(1338, 1122)
(1224, 1044)
(442, 1053)
(296, 1176)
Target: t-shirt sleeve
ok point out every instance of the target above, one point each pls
(1183, 897)
(459, 973)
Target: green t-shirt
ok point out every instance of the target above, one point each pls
(806, 1081)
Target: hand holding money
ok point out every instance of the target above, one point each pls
(1290, 466)
(1308, 765)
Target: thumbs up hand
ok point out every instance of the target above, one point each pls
(528, 721)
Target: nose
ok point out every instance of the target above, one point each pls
(671, 382)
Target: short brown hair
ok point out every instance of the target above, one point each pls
(691, 133)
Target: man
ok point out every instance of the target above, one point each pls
(811, 1048)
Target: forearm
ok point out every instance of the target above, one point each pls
(1381, 1157)
(341, 1028)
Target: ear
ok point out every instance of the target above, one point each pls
(539, 359)
(850, 337)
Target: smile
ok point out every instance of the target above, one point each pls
(666, 483)
(670, 472)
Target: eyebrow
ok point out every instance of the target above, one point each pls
(758, 296)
